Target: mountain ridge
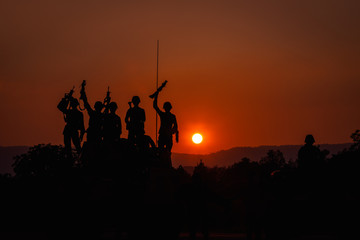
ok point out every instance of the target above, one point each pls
(230, 156)
(222, 158)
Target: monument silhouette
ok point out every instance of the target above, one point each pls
(168, 127)
(121, 188)
(74, 129)
(135, 119)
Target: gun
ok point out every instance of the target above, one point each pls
(64, 103)
(82, 91)
(70, 93)
(159, 89)
(107, 98)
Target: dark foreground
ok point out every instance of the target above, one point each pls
(183, 236)
(135, 197)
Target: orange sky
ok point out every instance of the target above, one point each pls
(242, 73)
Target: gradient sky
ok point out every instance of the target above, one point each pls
(242, 73)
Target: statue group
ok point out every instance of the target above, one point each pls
(104, 131)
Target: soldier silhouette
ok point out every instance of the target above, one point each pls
(168, 127)
(309, 156)
(91, 150)
(112, 124)
(94, 130)
(74, 129)
(313, 185)
(134, 119)
(311, 163)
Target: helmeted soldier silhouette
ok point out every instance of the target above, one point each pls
(168, 127)
(111, 124)
(74, 129)
(311, 183)
(91, 151)
(134, 119)
(96, 117)
(309, 156)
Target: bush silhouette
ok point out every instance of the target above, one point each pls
(41, 160)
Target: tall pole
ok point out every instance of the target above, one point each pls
(157, 84)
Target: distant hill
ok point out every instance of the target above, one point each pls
(233, 155)
(221, 158)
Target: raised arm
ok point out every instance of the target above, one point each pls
(84, 97)
(155, 104)
(86, 103)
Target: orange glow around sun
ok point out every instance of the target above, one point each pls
(197, 138)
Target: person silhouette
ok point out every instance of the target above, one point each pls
(312, 184)
(74, 129)
(134, 119)
(309, 156)
(168, 127)
(111, 124)
(91, 149)
(94, 130)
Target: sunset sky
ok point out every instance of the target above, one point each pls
(242, 73)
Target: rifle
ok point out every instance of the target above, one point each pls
(70, 93)
(63, 105)
(82, 91)
(107, 99)
(159, 89)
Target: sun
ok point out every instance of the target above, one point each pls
(197, 138)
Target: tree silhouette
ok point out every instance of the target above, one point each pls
(356, 140)
(265, 198)
(41, 160)
(274, 160)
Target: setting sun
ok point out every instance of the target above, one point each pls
(197, 138)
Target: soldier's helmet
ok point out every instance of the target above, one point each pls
(113, 106)
(167, 106)
(309, 139)
(135, 99)
(98, 106)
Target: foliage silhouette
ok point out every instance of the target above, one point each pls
(137, 197)
(42, 160)
(274, 160)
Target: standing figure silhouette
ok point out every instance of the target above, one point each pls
(309, 156)
(94, 130)
(112, 124)
(168, 127)
(74, 129)
(91, 150)
(134, 119)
